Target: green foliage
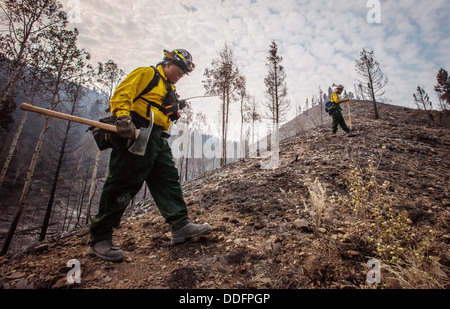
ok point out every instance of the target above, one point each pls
(388, 230)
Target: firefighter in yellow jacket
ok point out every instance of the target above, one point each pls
(147, 95)
(336, 113)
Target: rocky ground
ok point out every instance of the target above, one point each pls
(267, 233)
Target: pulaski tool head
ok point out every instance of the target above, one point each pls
(140, 144)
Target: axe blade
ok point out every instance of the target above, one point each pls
(140, 144)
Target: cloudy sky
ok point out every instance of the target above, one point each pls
(319, 40)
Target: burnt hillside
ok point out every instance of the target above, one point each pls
(283, 228)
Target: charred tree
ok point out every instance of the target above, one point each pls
(443, 88)
(74, 92)
(65, 57)
(373, 81)
(276, 89)
(222, 80)
(422, 100)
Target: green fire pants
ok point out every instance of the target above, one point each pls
(127, 174)
(338, 120)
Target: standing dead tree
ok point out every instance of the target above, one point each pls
(254, 117)
(276, 89)
(223, 81)
(244, 113)
(422, 100)
(74, 91)
(373, 80)
(443, 89)
(64, 56)
(32, 85)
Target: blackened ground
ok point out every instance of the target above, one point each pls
(263, 234)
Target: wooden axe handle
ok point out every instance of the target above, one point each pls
(52, 113)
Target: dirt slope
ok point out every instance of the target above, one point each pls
(263, 234)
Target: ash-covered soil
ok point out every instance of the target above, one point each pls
(264, 232)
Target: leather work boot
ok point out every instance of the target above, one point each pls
(106, 251)
(189, 231)
(350, 134)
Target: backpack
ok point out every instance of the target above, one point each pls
(329, 107)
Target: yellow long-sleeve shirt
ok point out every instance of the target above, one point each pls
(336, 100)
(122, 100)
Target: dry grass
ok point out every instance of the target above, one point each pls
(318, 200)
(403, 251)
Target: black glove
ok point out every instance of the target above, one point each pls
(173, 110)
(125, 127)
(182, 104)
